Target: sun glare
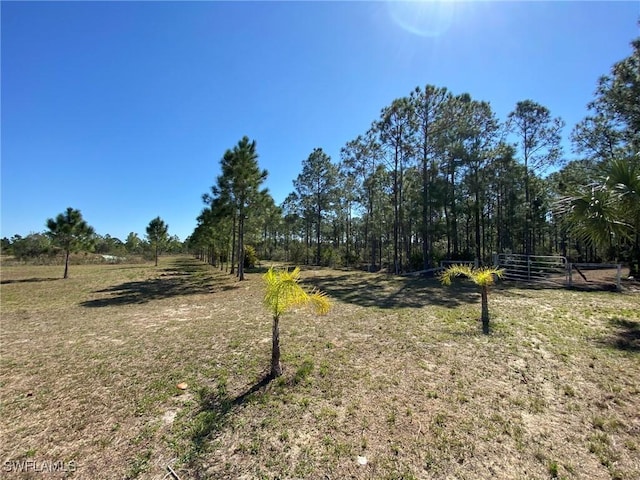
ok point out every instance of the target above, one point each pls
(427, 18)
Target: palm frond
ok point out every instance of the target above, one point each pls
(320, 302)
(624, 177)
(595, 216)
(483, 276)
(284, 292)
(456, 270)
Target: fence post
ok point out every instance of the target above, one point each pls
(528, 268)
(570, 271)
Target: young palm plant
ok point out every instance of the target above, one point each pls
(284, 292)
(484, 277)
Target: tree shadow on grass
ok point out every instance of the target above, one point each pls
(261, 269)
(212, 416)
(375, 290)
(30, 280)
(626, 335)
(184, 277)
(185, 266)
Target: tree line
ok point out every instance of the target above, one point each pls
(438, 176)
(69, 232)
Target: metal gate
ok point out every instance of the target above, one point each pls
(533, 268)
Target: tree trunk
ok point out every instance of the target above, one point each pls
(476, 212)
(307, 236)
(396, 219)
(401, 225)
(276, 368)
(485, 311)
(425, 201)
(527, 200)
(318, 225)
(498, 221)
(348, 235)
(453, 222)
(66, 264)
(233, 246)
(241, 247)
(156, 254)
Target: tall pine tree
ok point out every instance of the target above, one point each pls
(316, 187)
(69, 231)
(157, 233)
(239, 187)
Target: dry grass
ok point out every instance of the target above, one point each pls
(398, 373)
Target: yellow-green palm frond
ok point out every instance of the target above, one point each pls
(283, 292)
(483, 276)
(448, 274)
(486, 276)
(320, 302)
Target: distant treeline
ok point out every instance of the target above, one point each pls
(40, 248)
(438, 176)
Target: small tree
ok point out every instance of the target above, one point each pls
(133, 244)
(484, 277)
(69, 231)
(250, 256)
(283, 292)
(157, 234)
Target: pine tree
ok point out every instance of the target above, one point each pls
(157, 235)
(239, 187)
(70, 232)
(428, 105)
(316, 187)
(538, 139)
(396, 128)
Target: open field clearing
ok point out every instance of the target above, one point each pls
(397, 375)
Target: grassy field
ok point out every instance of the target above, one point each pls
(397, 375)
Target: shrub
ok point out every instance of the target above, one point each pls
(250, 256)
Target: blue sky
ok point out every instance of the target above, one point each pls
(124, 109)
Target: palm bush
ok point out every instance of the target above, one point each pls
(607, 213)
(284, 292)
(484, 277)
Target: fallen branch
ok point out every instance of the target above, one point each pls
(172, 472)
